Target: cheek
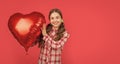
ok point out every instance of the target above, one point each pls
(51, 22)
(60, 21)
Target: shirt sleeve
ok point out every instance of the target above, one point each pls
(56, 44)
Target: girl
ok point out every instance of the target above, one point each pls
(53, 38)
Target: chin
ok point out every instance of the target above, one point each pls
(55, 25)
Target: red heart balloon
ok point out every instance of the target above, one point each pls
(26, 28)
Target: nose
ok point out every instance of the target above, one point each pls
(55, 19)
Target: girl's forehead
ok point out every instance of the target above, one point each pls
(55, 14)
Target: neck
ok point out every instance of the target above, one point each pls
(55, 28)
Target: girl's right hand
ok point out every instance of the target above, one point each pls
(44, 30)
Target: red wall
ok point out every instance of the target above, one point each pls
(94, 27)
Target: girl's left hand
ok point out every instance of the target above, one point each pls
(44, 30)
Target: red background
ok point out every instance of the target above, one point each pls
(94, 26)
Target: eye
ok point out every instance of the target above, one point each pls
(52, 18)
(57, 17)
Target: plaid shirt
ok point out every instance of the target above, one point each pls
(51, 52)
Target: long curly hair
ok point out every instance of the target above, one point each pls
(59, 33)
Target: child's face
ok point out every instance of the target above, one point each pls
(55, 19)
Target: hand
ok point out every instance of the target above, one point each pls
(44, 30)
